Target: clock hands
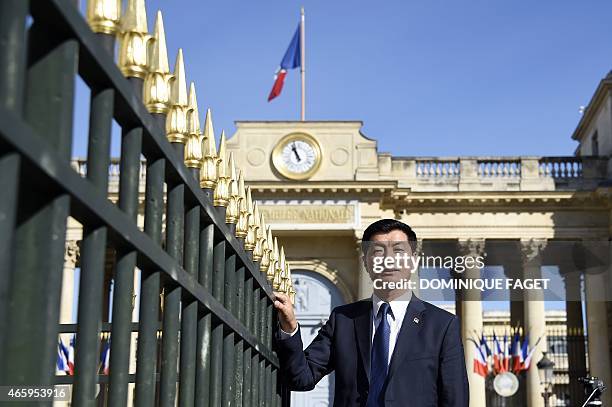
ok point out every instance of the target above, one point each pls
(295, 151)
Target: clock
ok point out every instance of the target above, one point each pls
(297, 156)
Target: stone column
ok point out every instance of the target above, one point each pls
(535, 317)
(471, 320)
(71, 257)
(596, 280)
(364, 283)
(576, 352)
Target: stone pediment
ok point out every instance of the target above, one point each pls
(345, 153)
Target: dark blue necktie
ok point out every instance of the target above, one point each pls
(380, 357)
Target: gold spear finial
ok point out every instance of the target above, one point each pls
(281, 259)
(156, 90)
(278, 276)
(221, 194)
(259, 234)
(193, 148)
(242, 227)
(287, 279)
(273, 266)
(134, 40)
(208, 175)
(250, 242)
(291, 288)
(103, 15)
(176, 121)
(264, 263)
(233, 206)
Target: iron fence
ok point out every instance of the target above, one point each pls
(203, 250)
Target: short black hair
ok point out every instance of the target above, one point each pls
(386, 226)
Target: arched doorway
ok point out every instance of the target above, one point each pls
(315, 297)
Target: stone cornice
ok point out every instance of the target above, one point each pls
(597, 99)
(405, 199)
(360, 187)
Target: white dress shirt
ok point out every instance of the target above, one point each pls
(395, 317)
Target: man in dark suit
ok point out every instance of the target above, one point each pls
(392, 349)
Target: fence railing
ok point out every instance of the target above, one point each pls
(206, 261)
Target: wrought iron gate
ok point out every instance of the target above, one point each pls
(204, 249)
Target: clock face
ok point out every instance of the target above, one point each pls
(297, 156)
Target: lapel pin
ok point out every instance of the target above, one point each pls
(416, 320)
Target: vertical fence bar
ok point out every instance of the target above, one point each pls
(123, 288)
(146, 359)
(172, 298)
(216, 353)
(33, 311)
(262, 362)
(93, 251)
(262, 382)
(229, 302)
(189, 317)
(12, 73)
(203, 368)
(248, 322)
(256, 328)
(268, 376)
(239, 353)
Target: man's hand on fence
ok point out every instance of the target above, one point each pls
(286, 316)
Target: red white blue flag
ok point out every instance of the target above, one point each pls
(105, 357)
(65, 357)
(291, 60)
(480, 360)
(62, 358)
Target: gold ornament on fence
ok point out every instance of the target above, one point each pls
(259, 234)
(221, 194)
(156, 90)
(242, 227)
(103, 16)
(193, 148)
(273, 265)
(266, 246)
(250, 242)
(176, 121)
(134, 40)
(233, 206)
(279, 271)
(208, 175)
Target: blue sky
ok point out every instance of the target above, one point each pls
(435, 77)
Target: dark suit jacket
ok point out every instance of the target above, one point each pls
(427, 366)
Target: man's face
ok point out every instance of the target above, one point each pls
(388, 256)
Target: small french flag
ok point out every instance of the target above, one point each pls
(291, 60)
(480, 361)
(105, 357)
(62, 358)
(65, 357)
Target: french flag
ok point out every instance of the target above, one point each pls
(505, 354)
(480, 361)
(62, 358)
(516, 352)
(291, 60)
(105, 357)
(524, 353)
(497, 352)
(65, 357)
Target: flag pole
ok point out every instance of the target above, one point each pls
(303, 63)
